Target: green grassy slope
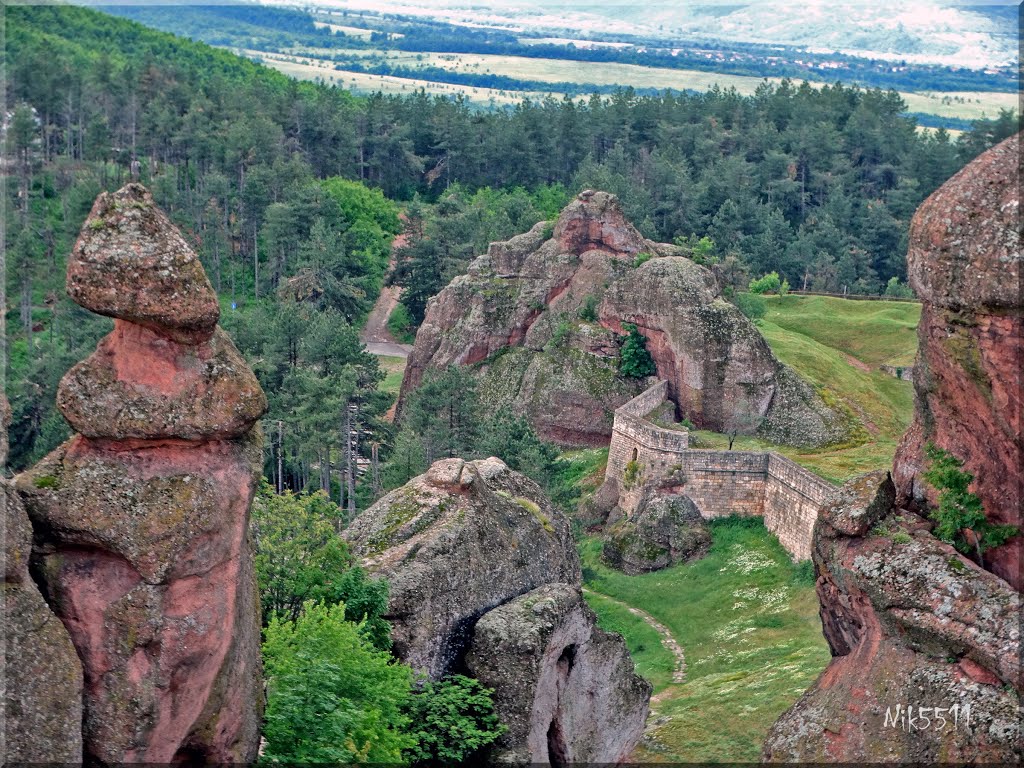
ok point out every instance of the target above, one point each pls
(838, 345)
(747, 620)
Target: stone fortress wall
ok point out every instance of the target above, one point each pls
(644, 456)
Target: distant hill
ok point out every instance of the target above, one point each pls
(915, 31)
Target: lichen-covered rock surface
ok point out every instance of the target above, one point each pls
(964, 263)
(926, 646)
(515, 320)
(454, 543)
(141, 519)
(665, 529)
(41, 674)
(565, 689)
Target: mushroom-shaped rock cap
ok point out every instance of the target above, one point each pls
(131, 262)
(594, 221)
(965, 238)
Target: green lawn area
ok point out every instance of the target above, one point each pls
(874, 332)
(838, 345)
(747, 619)
(395, 368)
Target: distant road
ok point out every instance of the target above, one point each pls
(375, 334)
(388, 348)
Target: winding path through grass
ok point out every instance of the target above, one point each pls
(667, 640)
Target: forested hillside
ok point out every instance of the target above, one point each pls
(288, 192)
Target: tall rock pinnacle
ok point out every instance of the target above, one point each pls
(141, 518)
(964, 262)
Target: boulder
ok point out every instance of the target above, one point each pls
(41, 673)
(454, 543)
(515, 320)
(143, 386)
(565, 689)
(665, 529)
(964, 262)
(141, 519)
(131, 262)
(925, 644)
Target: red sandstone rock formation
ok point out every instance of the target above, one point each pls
(142, 517)
(42, 706)
(964, 263)
(917, 632)
(523, 298)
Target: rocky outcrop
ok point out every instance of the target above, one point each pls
(41, 674)
(565, 689)
(518, 319)
(485, 577)
(964, 263)
(454, 543)
(665, 529)
(926, 645)
(141, 519)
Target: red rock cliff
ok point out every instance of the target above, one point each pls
(515, 319)
(964, 263)
(141, 519)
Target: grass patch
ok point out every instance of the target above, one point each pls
(653, 660)
(874, 332)
(401, 326)
(575, 474)
(747, 619)
(394, 367)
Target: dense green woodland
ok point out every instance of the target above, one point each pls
(288, 192)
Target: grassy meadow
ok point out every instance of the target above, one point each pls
(963, 105)
(838, 345)
(747, 619)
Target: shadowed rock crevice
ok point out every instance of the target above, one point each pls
(141, 518)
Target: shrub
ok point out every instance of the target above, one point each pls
(784, 288)
(642, 258)
(631, 474)
(751, 305)
(452, 720)
(634, 359)
(401, 325)
(588, 310)
(898, 289)
(331, 696)
(959, 515)
(769, 283)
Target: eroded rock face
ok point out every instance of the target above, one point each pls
(454, 543)
(911, 624)
(964, 263)
(663, 531)
(42, 675)
(523, 299)
(131, 263)
(141, 519)
(565, 689)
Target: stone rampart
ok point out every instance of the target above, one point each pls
(645, 458)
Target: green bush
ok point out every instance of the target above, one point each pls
(642, 258)
(401, 325)
(769, 283)
(331, 696)
(959, 511)
(751, 305)
(452, 719)
(300, 557)
(588, 310)
(634, 359)
(898, 289)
